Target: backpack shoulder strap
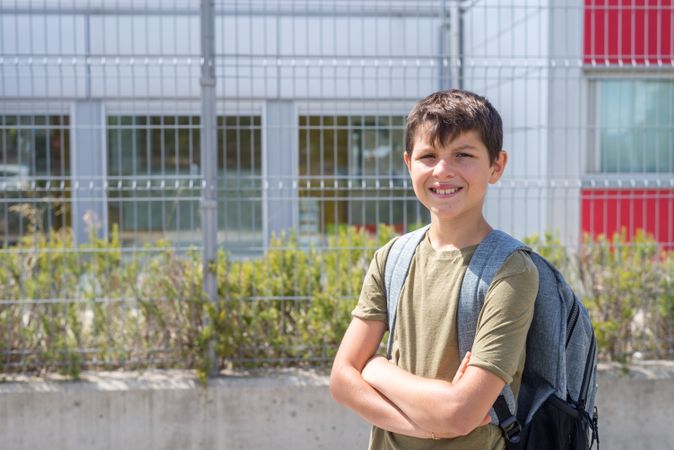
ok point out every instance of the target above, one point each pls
(397, 265)
(483, 267)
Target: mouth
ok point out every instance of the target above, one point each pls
(446, 191)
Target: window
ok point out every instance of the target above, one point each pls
(240, 183)
(636, 126)
(155, 177)
(153, 172)
(34, 169)
(633, 160)
(352, 173)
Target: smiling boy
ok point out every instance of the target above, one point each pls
(425, 397)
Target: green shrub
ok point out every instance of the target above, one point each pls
(626, 285)
(66, 308)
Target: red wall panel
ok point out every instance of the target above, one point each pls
(628, 32)
(607, 211)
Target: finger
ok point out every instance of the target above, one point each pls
(462, 368)
(464, 362)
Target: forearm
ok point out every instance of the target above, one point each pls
(348, 388)
(434, 405)
(420, 399)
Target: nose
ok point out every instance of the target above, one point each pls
(444, 169)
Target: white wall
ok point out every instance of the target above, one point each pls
(506, 48)
(569, 98)
(351, 50)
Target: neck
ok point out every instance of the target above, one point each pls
(449, 235)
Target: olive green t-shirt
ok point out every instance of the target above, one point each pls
(425, 340)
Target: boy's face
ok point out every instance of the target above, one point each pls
(452, 181)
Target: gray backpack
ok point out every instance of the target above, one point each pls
(555, 408)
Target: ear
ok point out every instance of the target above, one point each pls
(498, 167)
(406, 158)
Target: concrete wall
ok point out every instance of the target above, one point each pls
(170, 410)
(287, 410)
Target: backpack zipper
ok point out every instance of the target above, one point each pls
(571, 321)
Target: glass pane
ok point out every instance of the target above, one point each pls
(33, 151)
(351, 172)
(636, 121)
(150, 160)
(240, 194)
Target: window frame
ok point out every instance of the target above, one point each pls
(593, 174)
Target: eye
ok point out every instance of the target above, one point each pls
(463, 155)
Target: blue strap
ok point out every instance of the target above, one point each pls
(485, 263)
(397, 265)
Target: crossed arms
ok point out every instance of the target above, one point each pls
(398, 401)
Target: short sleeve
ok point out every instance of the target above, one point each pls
(372, 301)
(503, 323)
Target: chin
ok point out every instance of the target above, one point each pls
(444, 215)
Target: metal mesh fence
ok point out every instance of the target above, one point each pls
(102, 185)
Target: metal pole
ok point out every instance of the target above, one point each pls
(87, 54)
(443, 71)
(450, 46)
(209, 194)
(456, 45)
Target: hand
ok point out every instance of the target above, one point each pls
(371, 368)
(459, 373)
(462, 368)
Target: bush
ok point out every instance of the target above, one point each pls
(67, 309)
(628, 289)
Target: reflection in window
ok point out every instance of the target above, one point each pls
(352, 172)
(34, 169)
(636, 120)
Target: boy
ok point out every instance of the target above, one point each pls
(453, 152)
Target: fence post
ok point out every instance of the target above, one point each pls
(209, 162)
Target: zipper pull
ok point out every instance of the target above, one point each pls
(595, 428)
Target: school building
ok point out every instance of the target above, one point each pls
(100, 114)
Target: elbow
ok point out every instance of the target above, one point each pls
(334, 390)
(335, 385)
(345, 384)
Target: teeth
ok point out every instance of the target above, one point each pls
(446, 191)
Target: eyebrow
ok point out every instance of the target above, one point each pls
(465, 147)
(462, 147)
(425, 149)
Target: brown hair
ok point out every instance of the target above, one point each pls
(443, 115)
